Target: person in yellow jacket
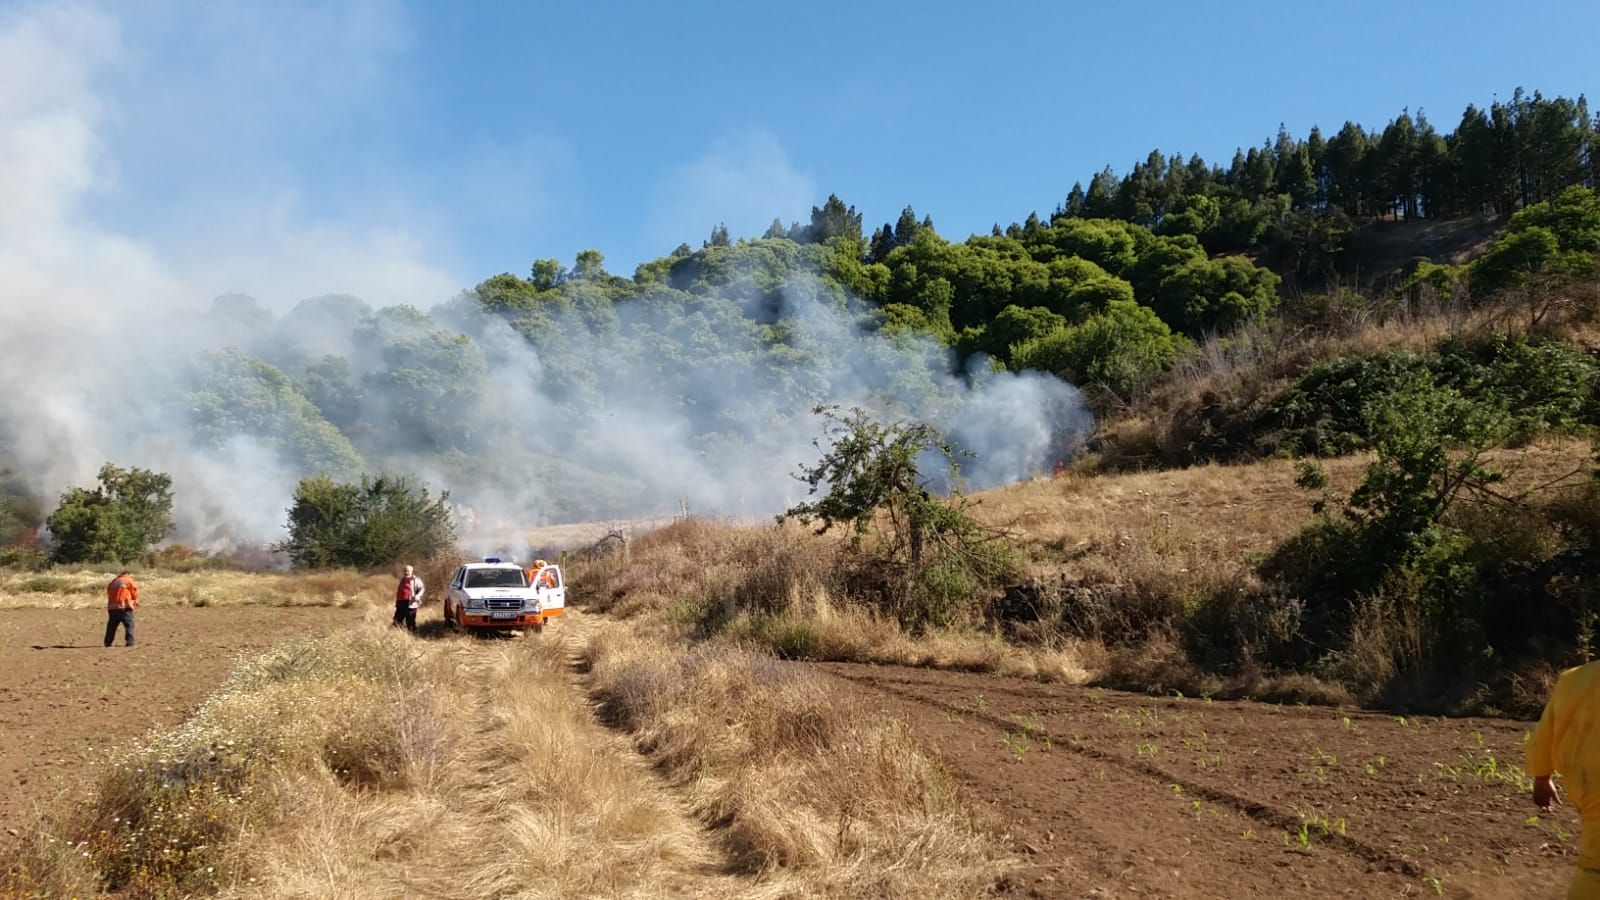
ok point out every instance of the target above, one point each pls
(122, 598)
(1567, 740)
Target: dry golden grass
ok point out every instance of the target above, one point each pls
(699, 568)
(85, 588)
(778, 588)
(1201, 524)
(375, 764)
(810, 794)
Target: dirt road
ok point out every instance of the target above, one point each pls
(65, 700)
(1109, 794)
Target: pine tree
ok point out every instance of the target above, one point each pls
(832, 220)
(1316, 148)
(1101, 200)
(1473, 155)
(1174, 186)
(1345, 162)
(882, 244)
(1397, 166)
(906, 227)
(1073, 207)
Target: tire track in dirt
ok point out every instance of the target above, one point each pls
(1261, 812)
(712, 878)
(1114, 794)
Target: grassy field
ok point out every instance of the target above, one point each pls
(85, 587)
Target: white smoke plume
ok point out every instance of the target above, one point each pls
(106, 344)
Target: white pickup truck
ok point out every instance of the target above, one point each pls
(502, 595)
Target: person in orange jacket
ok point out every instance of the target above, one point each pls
(545, 577)
(122, 598)
(1567, 740)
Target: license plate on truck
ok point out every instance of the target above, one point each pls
(507, 614)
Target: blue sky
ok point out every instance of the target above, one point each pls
(459, 140)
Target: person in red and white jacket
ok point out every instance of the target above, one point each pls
(407, 599)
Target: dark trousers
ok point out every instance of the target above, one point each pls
(405, 615)
(123, 617)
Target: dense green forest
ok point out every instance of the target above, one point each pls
(573, 392)
(1307, 193)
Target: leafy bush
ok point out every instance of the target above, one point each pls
(1014, 325)
(1426, 574)
(1540, 387)
(1555, 239)
(1215, 295)
(1120, 349)
(378, 522)
(23, 557)
(118, 521)
(1430, 442)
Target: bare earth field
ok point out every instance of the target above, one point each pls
(1108, 794)
(66, 701)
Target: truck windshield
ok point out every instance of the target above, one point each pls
(495, 578)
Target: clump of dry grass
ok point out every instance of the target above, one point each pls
(699, 570)
(813, 794)
(374, 764)
(780, 588)
(837, 630)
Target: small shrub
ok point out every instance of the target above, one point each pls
(930, 558)
(25, 558)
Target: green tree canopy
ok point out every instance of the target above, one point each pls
(1119, 349)
(239, 396)
(380, 521)
(119, 520)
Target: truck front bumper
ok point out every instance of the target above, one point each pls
(486, 620)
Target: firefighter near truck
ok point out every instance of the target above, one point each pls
(495, 595)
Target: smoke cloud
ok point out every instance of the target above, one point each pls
(111, 349)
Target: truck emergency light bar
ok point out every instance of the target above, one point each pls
(491, 559)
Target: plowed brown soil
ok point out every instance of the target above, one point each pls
(1109, 794)
(66, 702)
